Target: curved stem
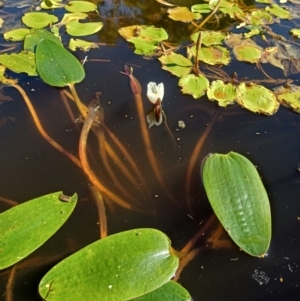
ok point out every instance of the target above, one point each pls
(81, 107)
(41, 129)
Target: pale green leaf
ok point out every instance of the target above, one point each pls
(295, 32)
(239, 200)
(81, 44)
(279, 11)
(194, 85)
(80, 6)
(212, 55)
(209, 37)
(224, 94)
(247, 52)
(38, 19)
(75, 28)
(289, 96)
(16, 34)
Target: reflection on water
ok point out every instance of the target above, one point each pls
(30, 167)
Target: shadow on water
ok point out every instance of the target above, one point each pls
(30, 167)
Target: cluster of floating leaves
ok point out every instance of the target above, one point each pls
(215, 50)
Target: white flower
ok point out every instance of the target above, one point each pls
(155, 93)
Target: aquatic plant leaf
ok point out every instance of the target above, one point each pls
(169, 291)
(81, 44)
(75, 28)
(27, 226)
(19, 62)
(247, 52)
(224, 94)
(209, 37)
(232, 11)
(80, 6)
(176, 64)
(278, 11)
(289, 97)
(201, 8)
(38, 19)
(51, 4)
(212, 55)
(3, 79)
(16, 34)
(270, 55)
(257, 99)
(194, 85)
(35, 36)
(239, 200)
(295, 32)
(56, 66)
(73, 16)
(252, 32)
(144, 47)
(119, 267)
(180, 13)
(153, 33)
(260, 17)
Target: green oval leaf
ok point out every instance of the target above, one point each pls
(16, 34)
(239, 200)
(119, 267)
(169, 291)
(26, 227)
(38, 19)
(77, 29)
(80, 6)
(56, 66)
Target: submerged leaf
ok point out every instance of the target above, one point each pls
(19, 62)
(56, 66)
(119, 267)
(38, 19)
(26, 227)
(257, 99)
(194, 85)
(176, 64)
(239, 200)
(224, 94)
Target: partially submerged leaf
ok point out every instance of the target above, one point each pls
(80, 6)
(19, 62)
(119, 267)
(257, 99)
(75, 28)
(16, 34)
(38, 19)
(73, 16)
(26, 227)
(56, 66)
(194, 85)
(81, 44)
(177, 64)
(224, 94)
(182, 14)
(239, 200)
(169, 291)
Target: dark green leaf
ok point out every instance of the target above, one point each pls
(239, 200)
(26, 227)
(56, 66)
(119, 267)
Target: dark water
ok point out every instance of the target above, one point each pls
(30, 167)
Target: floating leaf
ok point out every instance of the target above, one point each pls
(144, 47)
(289, 97)
(75, 28)
(247, 52)
(232, 11)
(38, 19)
(56, 66)
(182, 14)
(224, 94)
(177, 64)
(119, 267)
(81, 44)
(51, 4)
(239, 200)
(260, 17)
(3, 79)
(19, 62)
(16, 34)
(80, 6)
(257, 99)
(201, 8)
(194, 85)
(209, 37)
(279, 11)
(73, 16)
(26, 227)
(169, 291)
(35, 36)
(270, 55)
(212, 55)
(295, 32)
